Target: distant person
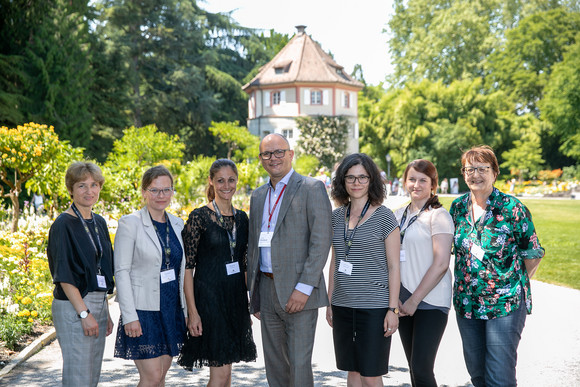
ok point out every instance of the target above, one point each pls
(444, 186)
(38, 203)
(80, 259)
(149, 268)
(289, 240)
(496, 253)
(454, 186)
(425, 297)
(216, 242)
(395, 186)
(364, 281)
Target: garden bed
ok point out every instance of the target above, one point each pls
(7, 354)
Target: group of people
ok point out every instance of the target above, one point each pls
(183, 288)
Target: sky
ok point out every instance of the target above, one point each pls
(352, 31)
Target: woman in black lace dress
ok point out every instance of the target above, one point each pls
(215, 240)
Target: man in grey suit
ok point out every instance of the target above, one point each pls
(289, 239)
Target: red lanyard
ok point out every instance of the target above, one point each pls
(271, 211)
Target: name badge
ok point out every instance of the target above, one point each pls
(232, 268)
(101, 283)
(345, 267)
(167, 276)
(477, 251)
(402, 256)
(265, 239)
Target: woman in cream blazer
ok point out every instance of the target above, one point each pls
(149, 270)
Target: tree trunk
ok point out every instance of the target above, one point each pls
(15, 210)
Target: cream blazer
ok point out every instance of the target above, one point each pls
(138, 261)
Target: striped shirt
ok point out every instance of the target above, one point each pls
(368, 285)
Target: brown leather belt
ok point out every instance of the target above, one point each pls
(269, 275)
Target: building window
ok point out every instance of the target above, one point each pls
(316, 97)
(346, 99)
(279, 70)
(288, 133)
(276, 98)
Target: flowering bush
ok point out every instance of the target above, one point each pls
(25, 281)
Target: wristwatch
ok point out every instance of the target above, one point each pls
(394, 310)
(84, 314)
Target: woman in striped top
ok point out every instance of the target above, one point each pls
(364, 278)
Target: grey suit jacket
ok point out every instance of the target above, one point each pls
(138, 260)
(300, 243)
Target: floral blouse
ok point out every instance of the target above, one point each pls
(491, 277)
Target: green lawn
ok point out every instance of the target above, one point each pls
(558, 226)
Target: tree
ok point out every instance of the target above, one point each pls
(450, 39)
(323, 137)
(437, 122)
(28, 150)
(523, 65)
(237, 139)
(525, 158)
(561, 104)
(138, 150)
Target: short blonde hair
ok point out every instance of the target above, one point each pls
(79, 171)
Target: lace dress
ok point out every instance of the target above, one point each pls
(164, 330)
(221, 299)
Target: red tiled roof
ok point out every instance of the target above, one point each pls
(302, 60)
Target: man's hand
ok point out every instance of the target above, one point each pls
(296, 302)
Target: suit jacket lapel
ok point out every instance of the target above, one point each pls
(259, 207)
(293, 185)
(148, 226)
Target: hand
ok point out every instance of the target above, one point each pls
(194, 325)
(391, 323)
(257, 315)
(329, 315)
(133, 329)
(296, 302)
(90, 326)
(109, 325)
(408, 308)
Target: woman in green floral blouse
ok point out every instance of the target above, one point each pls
(496, 253)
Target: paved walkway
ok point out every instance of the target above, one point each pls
(549, 353)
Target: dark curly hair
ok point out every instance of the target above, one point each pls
(376, 191)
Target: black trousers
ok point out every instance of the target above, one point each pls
(421, 335)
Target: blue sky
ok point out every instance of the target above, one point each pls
(350, 30)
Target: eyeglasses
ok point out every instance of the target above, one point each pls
(157, 191)
(362, 179)
(471, 170)
(279, 153)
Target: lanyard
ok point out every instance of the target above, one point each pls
(348, 240)
(411, 221)
(98, 248)
(164, 246)
(232, 234)
(271, 211)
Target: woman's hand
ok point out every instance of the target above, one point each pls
(90, 326)
(329, 315)
(408, 308)
(391, 323)
(109, 325)
(194, 325)
(133, 329)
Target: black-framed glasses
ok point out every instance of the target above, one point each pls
(158, 191)
(471, 170)
(278, 153)
(362, 179)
